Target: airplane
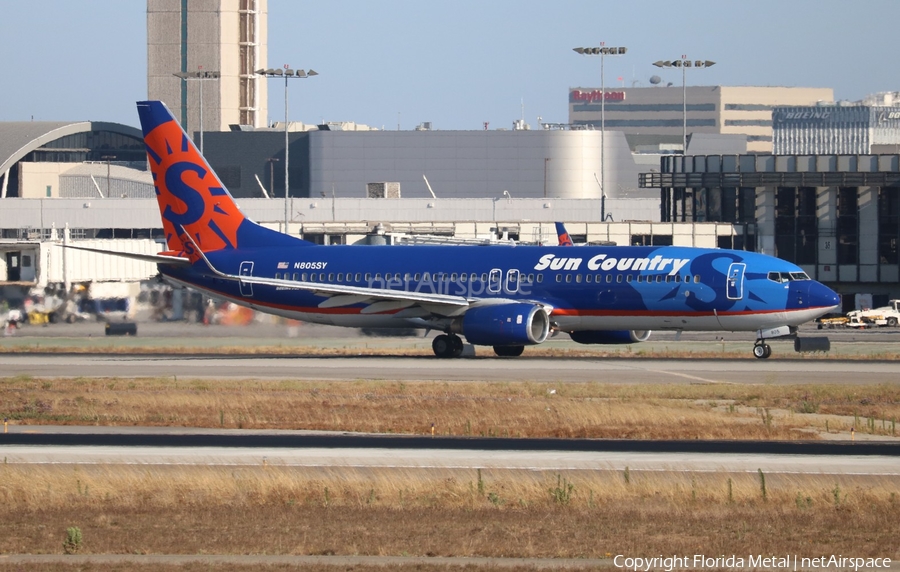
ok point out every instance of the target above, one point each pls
(563, 235)
(504, 296)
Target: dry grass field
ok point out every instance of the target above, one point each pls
(502, 513)
(516, 409)
(161, 509)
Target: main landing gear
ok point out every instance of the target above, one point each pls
(451, 346)
(447, 346)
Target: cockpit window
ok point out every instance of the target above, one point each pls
(782, 277)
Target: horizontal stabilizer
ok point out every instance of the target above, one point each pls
(154, 258)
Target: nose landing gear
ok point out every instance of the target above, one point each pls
(761, 350)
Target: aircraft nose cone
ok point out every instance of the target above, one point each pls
(821, 296)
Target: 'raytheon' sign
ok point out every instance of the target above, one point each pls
(595, 96)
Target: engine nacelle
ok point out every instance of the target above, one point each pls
(610, 336)
(514, 324)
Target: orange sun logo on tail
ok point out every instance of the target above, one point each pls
(190, 195)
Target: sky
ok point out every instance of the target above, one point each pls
(455, 63)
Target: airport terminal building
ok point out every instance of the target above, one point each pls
(828, 200)
(653, 115)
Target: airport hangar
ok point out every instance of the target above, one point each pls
(835, 215)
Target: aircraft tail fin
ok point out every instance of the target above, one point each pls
(563, 235)
(191, 197)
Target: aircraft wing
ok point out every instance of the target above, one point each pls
(382, 299)
(408, 304)
(352, 294)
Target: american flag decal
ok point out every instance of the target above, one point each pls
(282, 265)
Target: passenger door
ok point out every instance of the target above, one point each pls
(734, 286)
(246, 270)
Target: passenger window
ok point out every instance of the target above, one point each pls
(540, 278)
(368, 276)
(340, 276)
(619, 278)
(658, 278)
(358, 276)
(417, 277)
(278, 276)
(559, 277)
(378, 277)
(454, 277)
(331, 276)
(484, 277)
(608, 278)
(628, 278)
(578, 278)
(295, 276)
(696, 279)
(312, 277)
(426, 277)
(687, 278)
(568, 278)
(587, 278)
(303, 277)
(473, 277)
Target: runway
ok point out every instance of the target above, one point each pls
(401, 368)
(452, 460)
(164, 446)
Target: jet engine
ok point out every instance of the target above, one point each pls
(513, 324)
(610, 336)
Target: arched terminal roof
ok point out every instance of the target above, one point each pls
(19, 138)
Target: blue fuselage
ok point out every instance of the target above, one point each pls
(588, 288)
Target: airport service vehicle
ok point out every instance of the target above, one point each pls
(504, 296)
(884, 316)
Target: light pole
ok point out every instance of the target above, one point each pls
(684, 63)
(287, 73)
(602, 51)
(200, 76)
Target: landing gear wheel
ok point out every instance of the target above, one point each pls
(762, 351)
(892, 321)
(456, 346)
(442, 346)
(509, 351)
(447, 346)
